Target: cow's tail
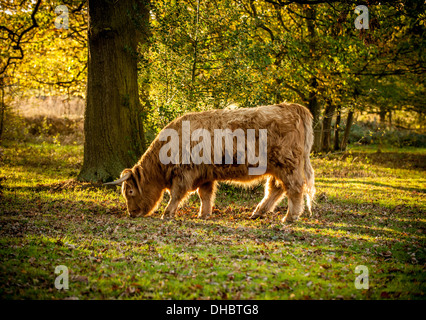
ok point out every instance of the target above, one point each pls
(308, 170)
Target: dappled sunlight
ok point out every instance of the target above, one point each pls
(290, 98)
(371, 233)
(402, 193)
(378, 222)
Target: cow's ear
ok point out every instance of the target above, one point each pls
(137, 171)
(123, 178)
(141, 173)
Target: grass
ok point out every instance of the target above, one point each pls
(370, 211)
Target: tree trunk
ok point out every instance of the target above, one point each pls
(337, 129)
(2, 108)
(382, 115)
(313, 105)
(114, 137)
(326, 127)
(349, 122)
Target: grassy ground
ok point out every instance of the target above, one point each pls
(370, 211)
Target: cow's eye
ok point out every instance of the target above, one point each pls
(131, 192)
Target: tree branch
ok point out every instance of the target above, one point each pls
(16, 44)
(309, 2)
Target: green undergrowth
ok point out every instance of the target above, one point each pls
(369, 211)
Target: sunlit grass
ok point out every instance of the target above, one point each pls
(369, 211)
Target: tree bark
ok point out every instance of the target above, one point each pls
(313, 105)
(337, 130)
(2, 108)
(349, 122)
(326, 127)
(382, 115)
(113, 120)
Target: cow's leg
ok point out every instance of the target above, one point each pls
(206, 192)
(177, 194)
(295, 206)
(293, 181)
(294, 189)
(274, 192)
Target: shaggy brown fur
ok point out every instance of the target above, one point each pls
(289, 171)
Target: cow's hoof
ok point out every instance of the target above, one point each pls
(256, 215)
(288, 219)
(167, 217)
(204, 215)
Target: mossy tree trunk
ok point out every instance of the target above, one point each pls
(2, 108)
(113, 123)
(337, 129)
(326, 127)
(349, 122)
(313, 104)
(314, 107)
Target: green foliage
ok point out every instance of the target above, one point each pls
(42, 129)
(371, 133)
(201, 55)
(210, 55)
(53, 59)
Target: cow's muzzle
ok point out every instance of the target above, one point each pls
(134, 213)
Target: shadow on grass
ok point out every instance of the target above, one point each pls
(395, 160)
(331, 221)
(54, 199)
(69, 185)
(377, 184)
(47, 160)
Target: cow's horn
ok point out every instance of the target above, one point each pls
(121, 180)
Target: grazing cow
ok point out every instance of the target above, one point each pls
(189, 155)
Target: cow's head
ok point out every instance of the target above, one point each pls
(141, 196)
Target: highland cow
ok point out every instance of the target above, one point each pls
(189, 155)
